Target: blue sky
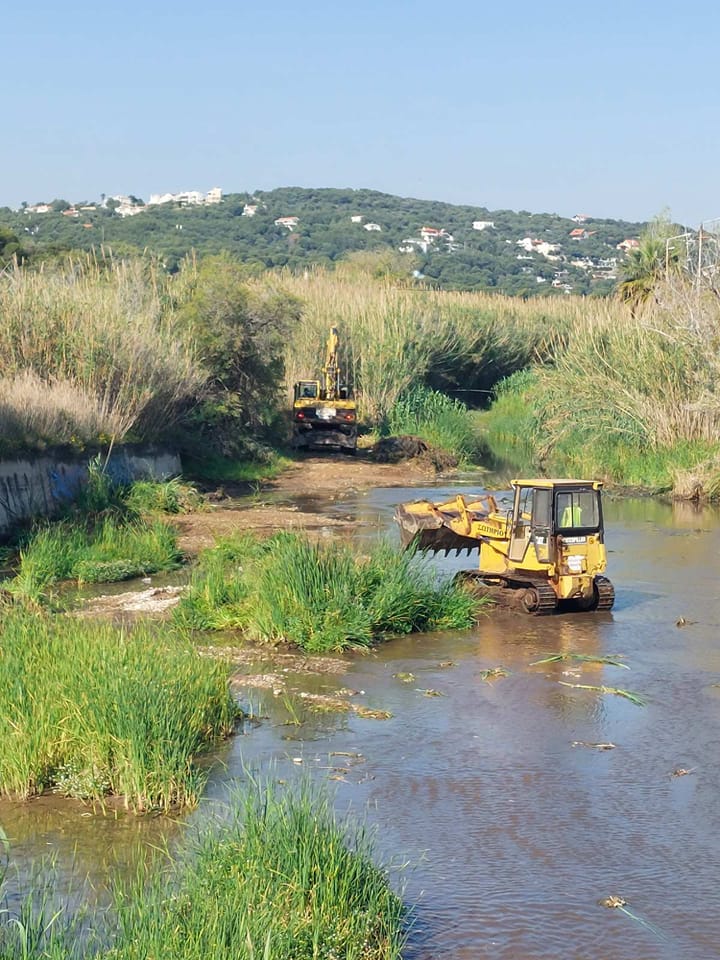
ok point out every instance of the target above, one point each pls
(608, 108)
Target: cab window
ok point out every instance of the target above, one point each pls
(576, 509)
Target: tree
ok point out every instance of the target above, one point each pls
(648, 263)
(240, 330)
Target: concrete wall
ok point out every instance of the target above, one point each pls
(41, 485)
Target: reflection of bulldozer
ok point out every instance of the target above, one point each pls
(324, 411)
(549, 548)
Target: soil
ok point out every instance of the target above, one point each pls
(273, 508)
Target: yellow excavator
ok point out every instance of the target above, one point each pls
(324, 411)
(549, 549)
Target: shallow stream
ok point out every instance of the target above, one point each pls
(515, 823)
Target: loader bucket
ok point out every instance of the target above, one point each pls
(424, 527)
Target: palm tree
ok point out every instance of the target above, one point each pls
(647, 264)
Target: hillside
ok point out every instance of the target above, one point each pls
(514, 253)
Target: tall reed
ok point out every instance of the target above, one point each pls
(397, 336)
(89, 349)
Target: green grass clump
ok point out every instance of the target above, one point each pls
(92, 710)
(281, 878)
(444, 423)
(320, 596)
(109, 551)
(167, 496)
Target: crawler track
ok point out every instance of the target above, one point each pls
(605, 593)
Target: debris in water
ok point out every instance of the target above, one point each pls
(612, 902)
(595, 746)
(613, 661)
(430, 693)
(682, 622)
(682, 771)
(404, 677)
(632, 697)
(494, 673)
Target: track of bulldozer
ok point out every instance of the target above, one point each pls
(535, 597)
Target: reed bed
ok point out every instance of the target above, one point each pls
(633, 398)
(276, 875)
(89, 349)
(397, 336)
(91, 711)
(320, 596)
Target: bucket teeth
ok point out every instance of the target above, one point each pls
(428, 533)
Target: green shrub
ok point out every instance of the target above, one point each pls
(444, 423)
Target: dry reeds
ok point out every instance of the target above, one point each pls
(89, 348)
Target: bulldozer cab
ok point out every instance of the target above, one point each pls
(544, 509)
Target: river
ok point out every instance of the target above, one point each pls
(518, 803)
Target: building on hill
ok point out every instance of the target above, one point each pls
(483, 225)
(289, 222)
(373, 227)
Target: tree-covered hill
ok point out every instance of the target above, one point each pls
(333, 223)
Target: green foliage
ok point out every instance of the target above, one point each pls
(280, 876)
(325, 235)
(240, 332)
(93, 710)
(319, 596)
(445, 423)
(172, 496)
(648, 264)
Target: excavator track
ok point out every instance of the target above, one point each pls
(605, 593)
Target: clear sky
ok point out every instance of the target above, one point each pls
(606, 108)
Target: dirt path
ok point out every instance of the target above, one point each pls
(273, 508)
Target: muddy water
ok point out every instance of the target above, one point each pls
(513, 824)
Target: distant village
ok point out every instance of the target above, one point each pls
(429, 237)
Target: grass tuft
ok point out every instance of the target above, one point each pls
(319, 596)
(91, 710)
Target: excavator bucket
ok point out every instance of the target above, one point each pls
(427, 527)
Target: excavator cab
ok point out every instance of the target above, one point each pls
(550, 545)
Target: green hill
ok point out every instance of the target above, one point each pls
(457, 256)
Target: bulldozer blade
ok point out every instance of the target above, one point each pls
(427, 533)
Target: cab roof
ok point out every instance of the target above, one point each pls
(550, 484)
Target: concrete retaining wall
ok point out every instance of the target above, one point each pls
(40, 486)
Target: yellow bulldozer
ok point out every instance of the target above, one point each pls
(324, 411)
(549, 549)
